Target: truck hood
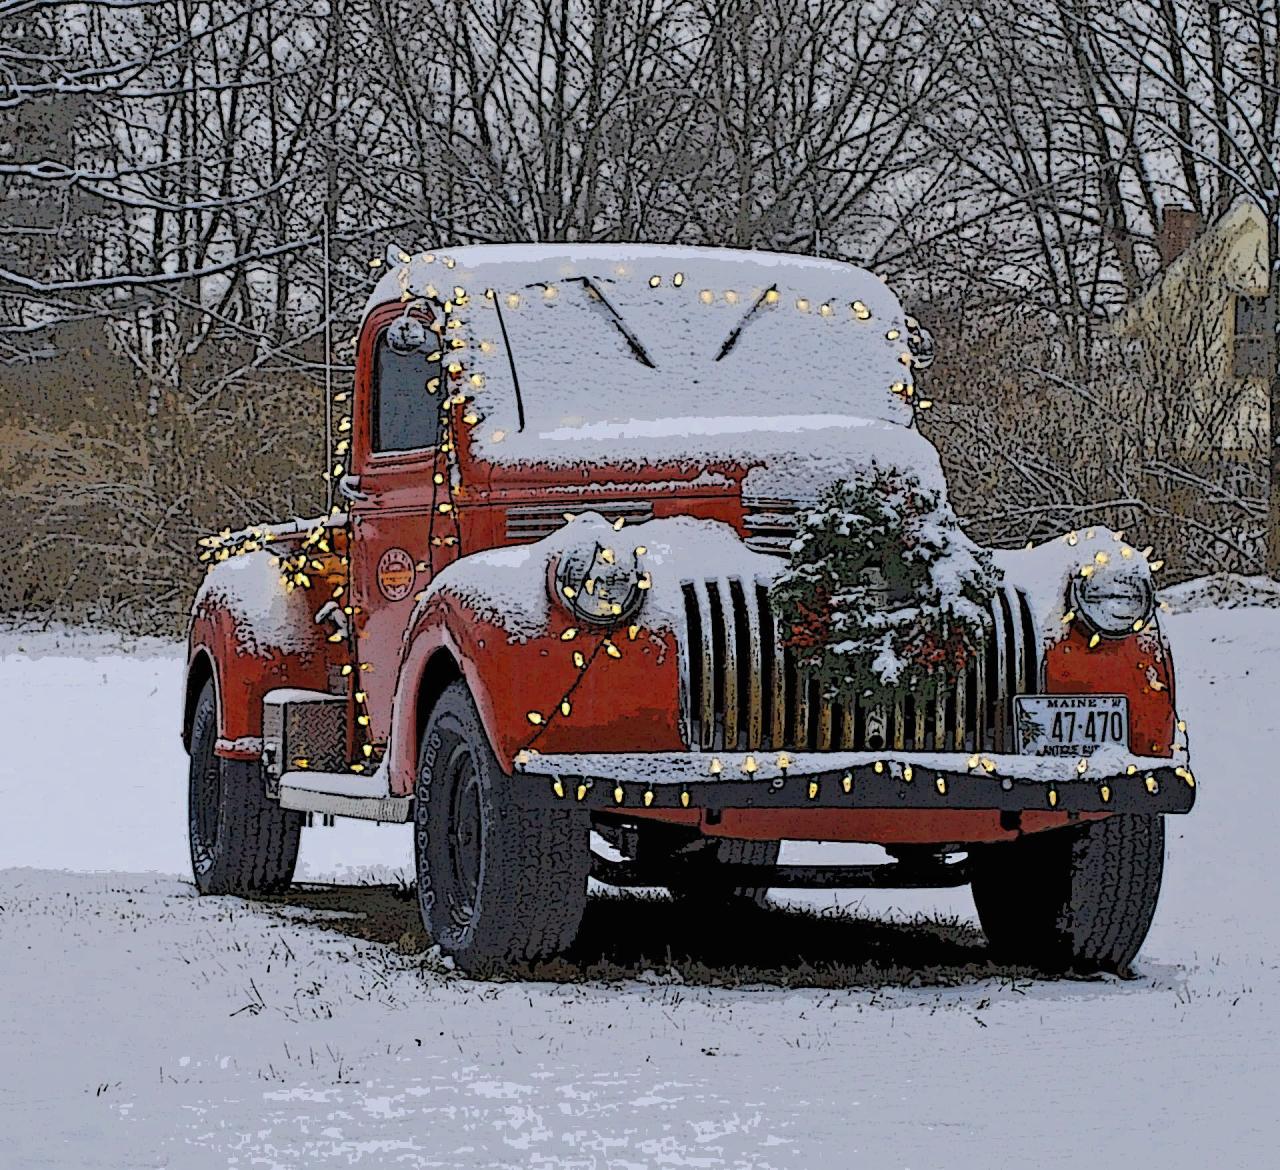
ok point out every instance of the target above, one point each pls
(784, 457)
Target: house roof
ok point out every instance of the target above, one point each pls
(1236, 242)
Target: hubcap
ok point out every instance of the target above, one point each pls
(466, 835)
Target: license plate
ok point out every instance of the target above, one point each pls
(1070, 725)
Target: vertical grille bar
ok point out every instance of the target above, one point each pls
(996, 683)
(1018, 682)
(722, 597)
(848, 724)
(826, 723)
(801, 700)
(980, 695)
(877, 727)
(691, 683)
(709, 699)
(778, 712)
(1032, 681)
(754, 668)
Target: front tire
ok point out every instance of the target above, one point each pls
(497, 883)
(241, 842)
(1079, 899)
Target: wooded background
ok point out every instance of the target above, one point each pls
(167, 167)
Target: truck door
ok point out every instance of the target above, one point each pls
(392, 498)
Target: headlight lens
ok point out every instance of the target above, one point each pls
(598, 587)
(1114, 601)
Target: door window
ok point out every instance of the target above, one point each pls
(406, 415)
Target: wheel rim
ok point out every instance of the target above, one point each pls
(206, 797)
(465, 835)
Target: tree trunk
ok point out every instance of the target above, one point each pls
(1273, 395)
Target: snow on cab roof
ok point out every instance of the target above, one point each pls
(638, 353)
(498, 265)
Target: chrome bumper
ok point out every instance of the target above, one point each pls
(664, 780)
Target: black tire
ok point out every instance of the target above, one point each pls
(1072, 899)
(698, 886)
(497, 883)
(241, 842)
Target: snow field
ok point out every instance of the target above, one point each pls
(147, 1027)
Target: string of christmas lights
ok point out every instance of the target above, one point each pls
(317, 550)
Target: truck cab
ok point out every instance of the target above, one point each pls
(565, 616)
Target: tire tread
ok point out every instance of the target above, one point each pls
(257, 844)
(536, 865)
(1081, 899)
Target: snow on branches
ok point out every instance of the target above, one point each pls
(884, 594)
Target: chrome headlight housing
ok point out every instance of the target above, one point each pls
(599, 587)
(1116, 598)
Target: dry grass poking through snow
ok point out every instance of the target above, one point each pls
(648, 938)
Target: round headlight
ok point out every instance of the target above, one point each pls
(597, 587)
(1114, 602)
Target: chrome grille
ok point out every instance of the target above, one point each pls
(742, 691)
(529, 522)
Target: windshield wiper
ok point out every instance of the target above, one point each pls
(637, 349)
(732, 339)
(511, 361)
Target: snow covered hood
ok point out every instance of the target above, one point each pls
(631, 355)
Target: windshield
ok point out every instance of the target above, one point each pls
(637, 354)
(635, 343)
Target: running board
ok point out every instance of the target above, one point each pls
(342, 794)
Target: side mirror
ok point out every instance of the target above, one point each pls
(406, 335)
(920, 343)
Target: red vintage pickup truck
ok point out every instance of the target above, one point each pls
(542, 623)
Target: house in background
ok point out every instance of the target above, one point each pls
(1198, 335)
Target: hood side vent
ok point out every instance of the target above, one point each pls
(530, 522)
(771, 524)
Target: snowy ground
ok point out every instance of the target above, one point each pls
(144, 1027)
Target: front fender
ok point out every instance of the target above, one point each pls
(1138, 666)
(531, 692)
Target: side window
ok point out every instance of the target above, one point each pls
(1249, 350)
(406, 416)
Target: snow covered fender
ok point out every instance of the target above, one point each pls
(1078, 660)
(250, 635)
(542, 679)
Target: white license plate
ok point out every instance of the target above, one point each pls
(1070, 725)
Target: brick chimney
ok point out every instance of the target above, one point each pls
(1179, 227)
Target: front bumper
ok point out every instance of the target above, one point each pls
(1111, 782)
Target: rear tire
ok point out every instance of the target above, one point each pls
(497, 883)
(241, 842)
(1079, 899)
